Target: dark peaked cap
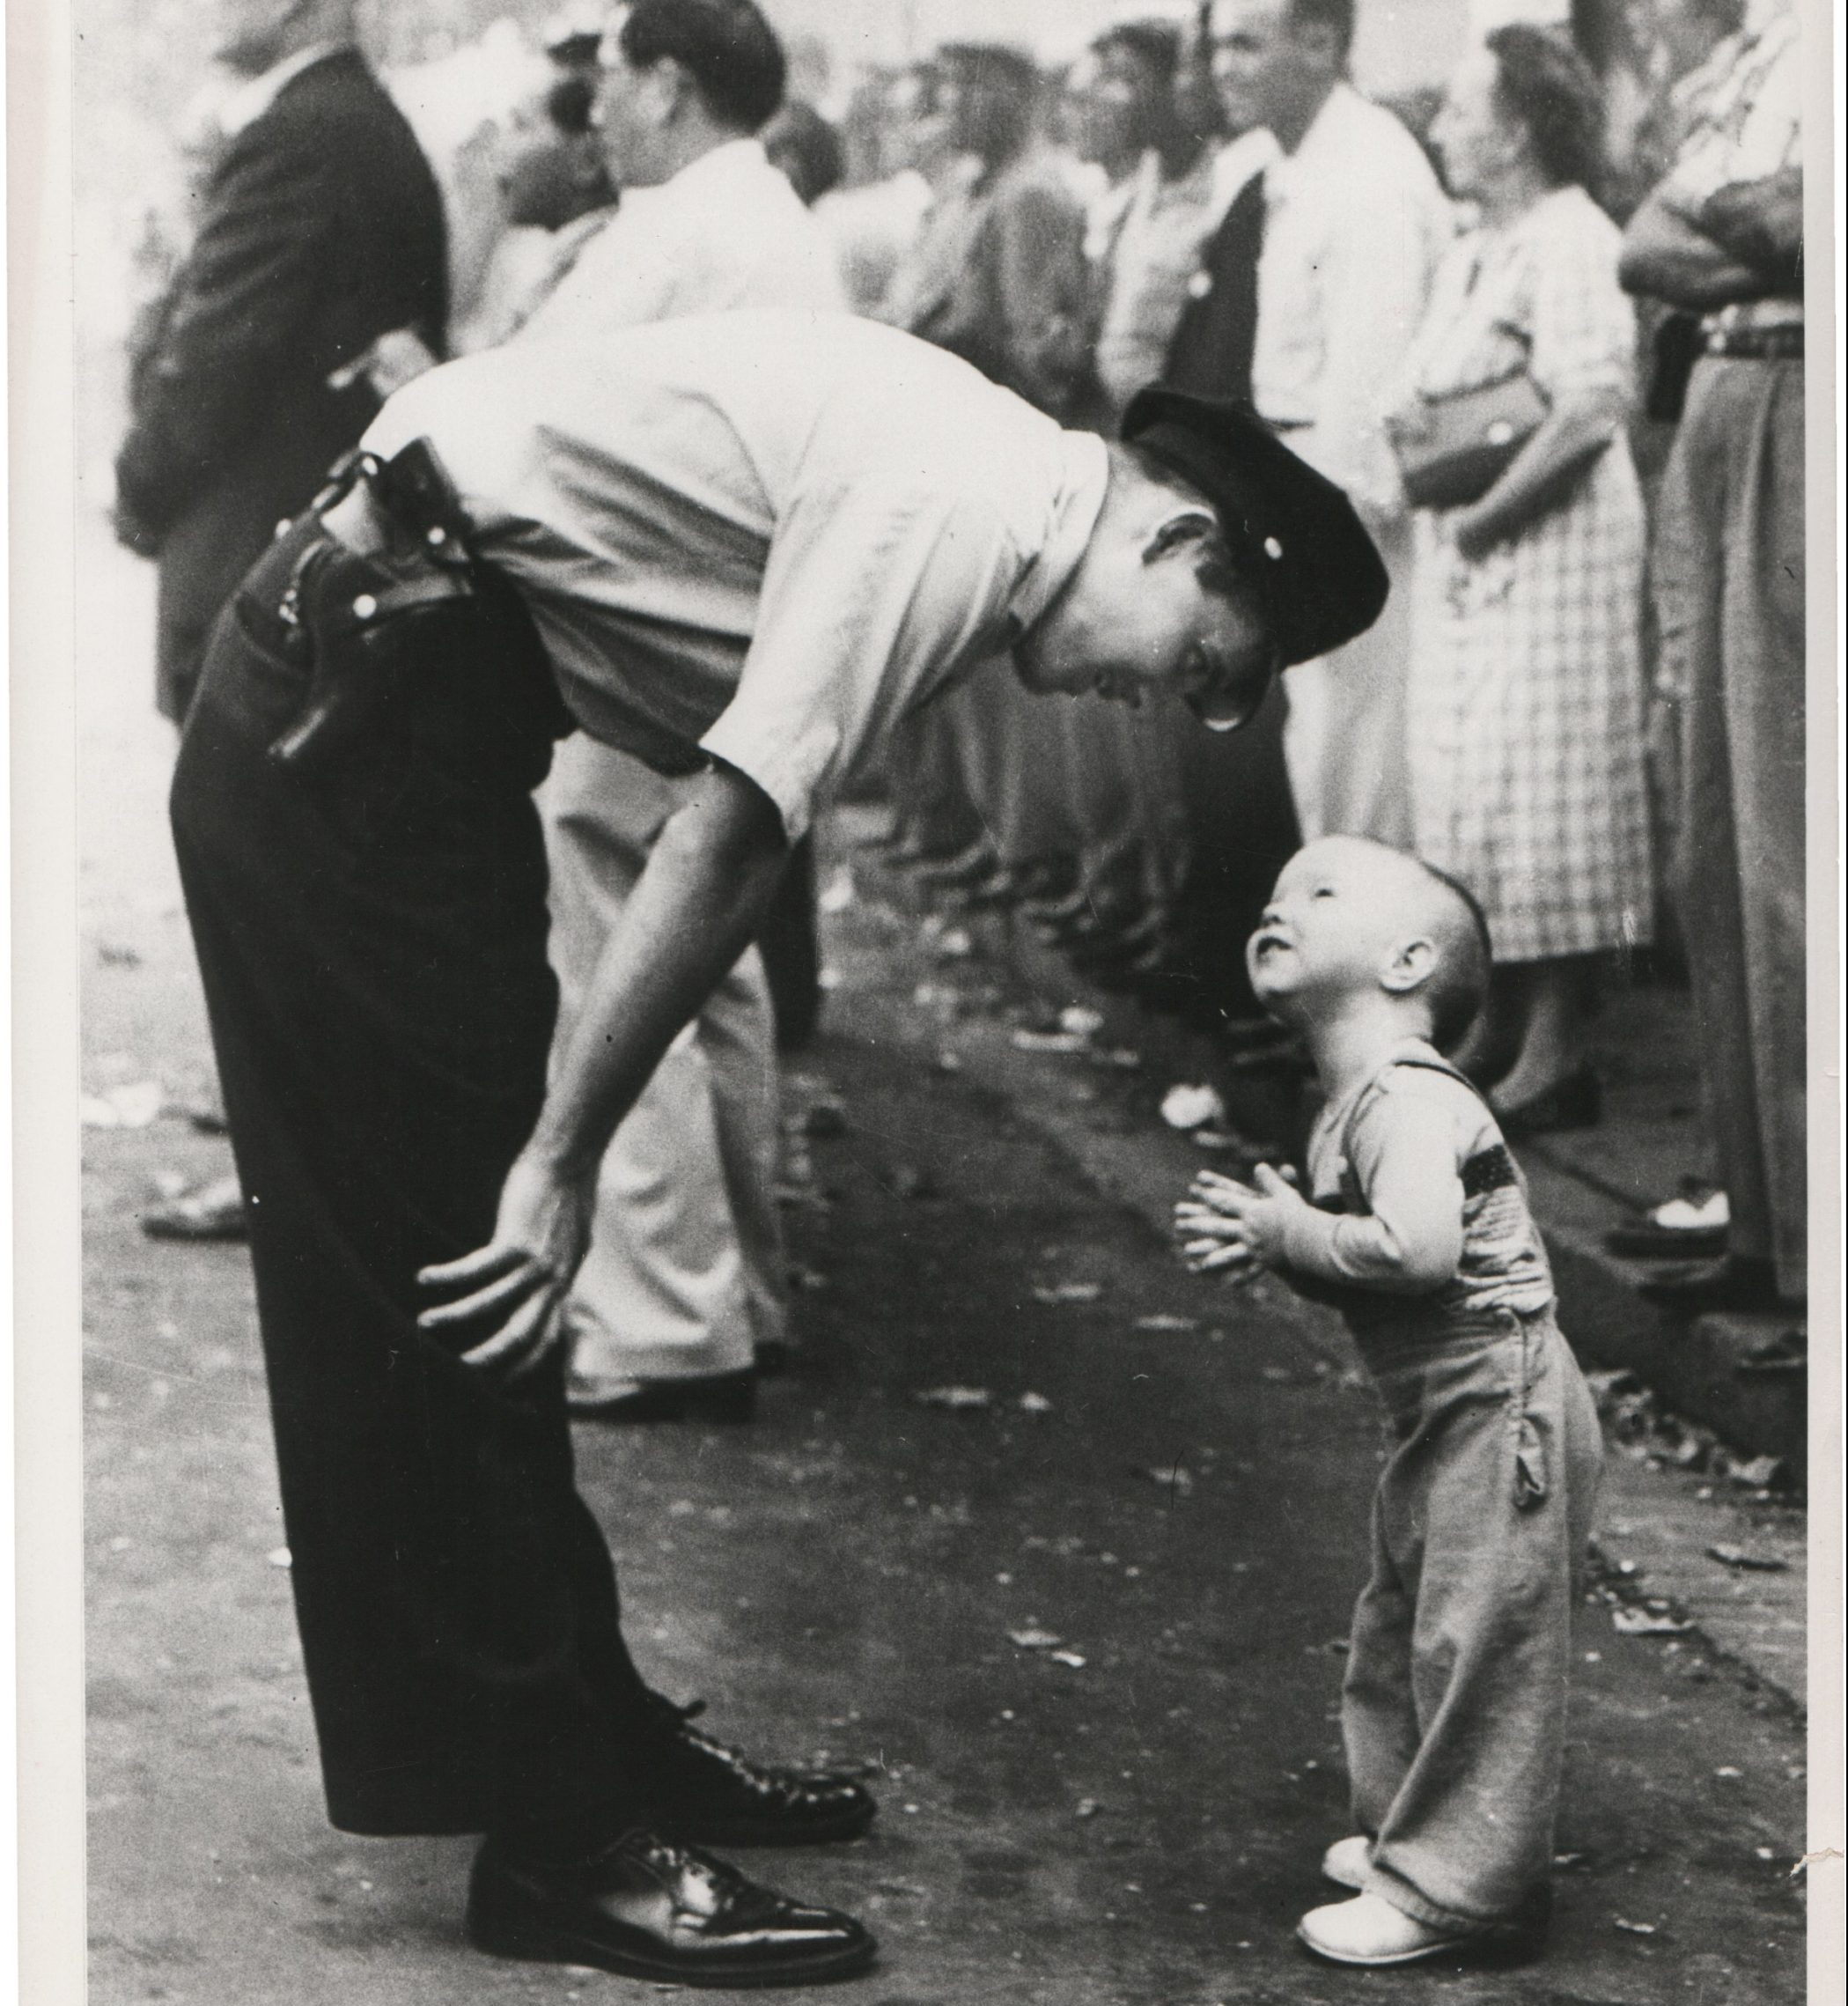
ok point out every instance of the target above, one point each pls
(1290, 529)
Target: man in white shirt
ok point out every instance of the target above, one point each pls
(684, 1284)
(1354, 223)
(740, 547)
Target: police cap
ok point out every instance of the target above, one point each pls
(1289, 528)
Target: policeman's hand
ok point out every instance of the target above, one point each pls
(515, 1286)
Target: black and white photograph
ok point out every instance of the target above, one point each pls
(944, 895)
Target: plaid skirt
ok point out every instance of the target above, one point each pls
(1525, 722)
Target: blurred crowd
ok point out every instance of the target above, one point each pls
(1545, 325)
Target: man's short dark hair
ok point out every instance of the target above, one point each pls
(1337, 15)
(727, 48)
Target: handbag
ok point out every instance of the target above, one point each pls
(1452, 448)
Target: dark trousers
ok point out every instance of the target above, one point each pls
(372, 945)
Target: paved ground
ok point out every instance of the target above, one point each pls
(1179, 1503)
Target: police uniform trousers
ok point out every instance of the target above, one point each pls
(374, 949)
(685, 1273)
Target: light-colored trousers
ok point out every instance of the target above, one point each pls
(685, 1273)
(1454, 1704)
(1344, 730)
(1728, 574)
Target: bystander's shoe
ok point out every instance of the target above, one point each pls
(1368, 1931)
(724, 1397)
(214, 1212)
(1691, 1228)
(1346, 1861)
(703, 1790)
(646, 1907)
(1740, 1281)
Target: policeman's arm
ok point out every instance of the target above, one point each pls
(700, 903)
(262, 264)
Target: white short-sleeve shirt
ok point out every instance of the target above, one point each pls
(761, 538)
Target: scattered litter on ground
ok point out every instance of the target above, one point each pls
(1634, 1929)
(958, 1399)
(1058, 1042)
(1070, 1658)
(838, 893)
(1087, 1807)
(1749, 1563)
(948, 1062)
(1081, 1021)
(1034, 1403)
(1629, 1621)
(1163, 1322)
(1176, 1478)
(1645, 1430)
(1068, 1292)
(1118, 1057)
(1034, 1638)
(1188, 1107)
(909, 1181)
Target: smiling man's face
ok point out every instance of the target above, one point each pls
(1139, 618)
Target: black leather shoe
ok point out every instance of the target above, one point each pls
(646, 1908)
(701, 1789)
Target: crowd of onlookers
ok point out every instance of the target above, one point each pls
(1485, 312)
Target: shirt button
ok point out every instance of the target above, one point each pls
(364, 606)
(1199, 285)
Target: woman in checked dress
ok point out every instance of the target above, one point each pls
(1525, 702)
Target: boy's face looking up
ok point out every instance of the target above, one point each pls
(1349, 919)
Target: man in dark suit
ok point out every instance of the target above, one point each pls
(321, 230)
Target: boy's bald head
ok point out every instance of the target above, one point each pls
(1348, 913)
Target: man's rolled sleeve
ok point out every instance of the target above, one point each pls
(870, 600)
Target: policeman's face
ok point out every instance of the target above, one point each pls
(1137, 622)
(249, 36)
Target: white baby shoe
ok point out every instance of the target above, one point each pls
(1369, 1930)
(1346, 1861)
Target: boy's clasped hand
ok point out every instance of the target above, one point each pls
(1223, 1224)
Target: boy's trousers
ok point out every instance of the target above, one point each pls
(1454, 1706)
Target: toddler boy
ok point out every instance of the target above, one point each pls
(1417, 1227)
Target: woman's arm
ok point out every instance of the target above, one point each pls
(1577, 430)
(698, 905)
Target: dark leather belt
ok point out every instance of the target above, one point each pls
(1780, 343)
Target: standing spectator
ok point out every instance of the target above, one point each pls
(1722, 236)
(320, 229)
(897, 133)
(683, 1284)
(997, 277)
(1176, 195)
(1354, 223)
(1524, 692)
(1005, 287)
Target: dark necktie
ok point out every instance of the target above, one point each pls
(1210, 353)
